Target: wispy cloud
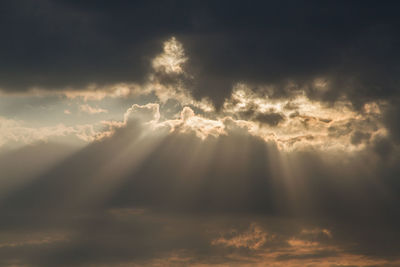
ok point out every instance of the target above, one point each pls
(92, 110)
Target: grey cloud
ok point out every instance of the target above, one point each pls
(146, 196)
(271, 118)
(352, 45)
(357, 137)
(391, 119)
(237, 177)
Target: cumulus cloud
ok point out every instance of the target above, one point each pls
(293, 123)
(147, 113)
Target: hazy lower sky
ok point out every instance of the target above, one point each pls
(199, 133)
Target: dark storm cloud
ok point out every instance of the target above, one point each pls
(353, 45)
(252, 112)
(358, 137)
(120, 205)
(392, 115)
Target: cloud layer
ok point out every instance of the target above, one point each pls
(199, 133)
(128, 198)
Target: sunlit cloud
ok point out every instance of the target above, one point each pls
(299, 121)
(17, 133)
(94, 92)
(92, 110)
(172, 58)
(147, 113)
(294, 122)
(253, 238)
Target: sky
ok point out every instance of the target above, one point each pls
(199, 133)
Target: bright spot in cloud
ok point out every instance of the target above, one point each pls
(172, 58)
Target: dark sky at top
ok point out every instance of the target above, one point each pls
(353, 44)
